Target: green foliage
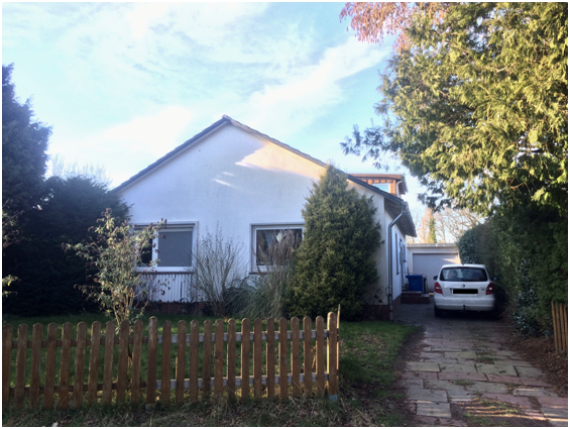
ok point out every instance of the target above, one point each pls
(116, 253)
(431, 231)
(476, 105)
(47, 274)
(527, 249)
(24, 145)
(334, 264)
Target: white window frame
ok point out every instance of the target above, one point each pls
(256, 269)
(172, 227)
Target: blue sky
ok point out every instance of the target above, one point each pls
(124, 83)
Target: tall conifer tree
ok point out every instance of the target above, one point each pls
(334, 263)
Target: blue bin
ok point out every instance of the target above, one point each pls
(416, 282)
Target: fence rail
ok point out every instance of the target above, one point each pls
(107, 366)
(560, 323)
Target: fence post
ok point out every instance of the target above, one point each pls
(65, 363)
(21, 366)
(6, 365)
(194, 351)
(307, 357)
(283, 366)
(36, 365)
(152, 361)
(270, 357)
(295, 358)
(137, 355)
(180, 362)
(219, 360)
(123, 364)
(332, 358)
(93, 361)
(165, 375)
(207, 360)
(257, 359)
(244, 372)
(107, 394)
(79, 365)
(231, 360)
(320, 356)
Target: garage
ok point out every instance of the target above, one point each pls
(427, 259)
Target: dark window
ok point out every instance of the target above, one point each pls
(175, 248)
(273, 246)
(463, 274)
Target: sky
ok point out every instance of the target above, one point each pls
(122, 84)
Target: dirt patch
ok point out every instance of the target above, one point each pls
(540, 353)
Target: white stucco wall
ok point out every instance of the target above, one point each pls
(232, 180)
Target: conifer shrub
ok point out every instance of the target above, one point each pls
(334, 263)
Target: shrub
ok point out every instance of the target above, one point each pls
(115, 254)
(219, 273)
(334, 263)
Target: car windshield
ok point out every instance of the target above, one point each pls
(463, 274)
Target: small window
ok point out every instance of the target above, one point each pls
(170, 250)
(382, 186)
(273, 245)
(174, 249)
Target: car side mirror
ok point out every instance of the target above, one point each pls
(435, 277)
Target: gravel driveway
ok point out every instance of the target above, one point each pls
(462, 373)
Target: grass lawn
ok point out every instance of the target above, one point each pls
(368, 351)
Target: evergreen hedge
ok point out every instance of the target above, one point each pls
(334, 263)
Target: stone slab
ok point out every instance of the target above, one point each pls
(510, 399)
(412, 382)
(550, 402)
(441, 360)
(420, 374)
(442, 385)
(460, 396)
(526, 371)
(498, 369)
(423, 366)
(434, 409)
(487, 388)
(431, 355)
(556, 415)
(426, 395)
(525, 381)
(532, 391)
(460, 367)
(461, 376)
(461, 355)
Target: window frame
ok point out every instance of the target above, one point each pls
(171, 227)
(257, 269)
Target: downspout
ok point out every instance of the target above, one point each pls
(390, 263)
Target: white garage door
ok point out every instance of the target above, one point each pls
(429, 264)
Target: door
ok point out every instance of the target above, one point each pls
(429, 264)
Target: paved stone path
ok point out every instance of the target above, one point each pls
(464, 357)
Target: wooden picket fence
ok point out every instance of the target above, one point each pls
(560, 323)
(121, 372)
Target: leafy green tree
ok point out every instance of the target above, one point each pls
(115, 254)
(431, 235)
(334, 263)
(475, 101)
(24, 145)
(47, 274)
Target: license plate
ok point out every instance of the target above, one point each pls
(464, 291)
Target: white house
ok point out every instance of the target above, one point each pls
(232, 177)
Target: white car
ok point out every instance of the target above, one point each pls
(463, 287)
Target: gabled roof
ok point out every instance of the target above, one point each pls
(393, 204)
